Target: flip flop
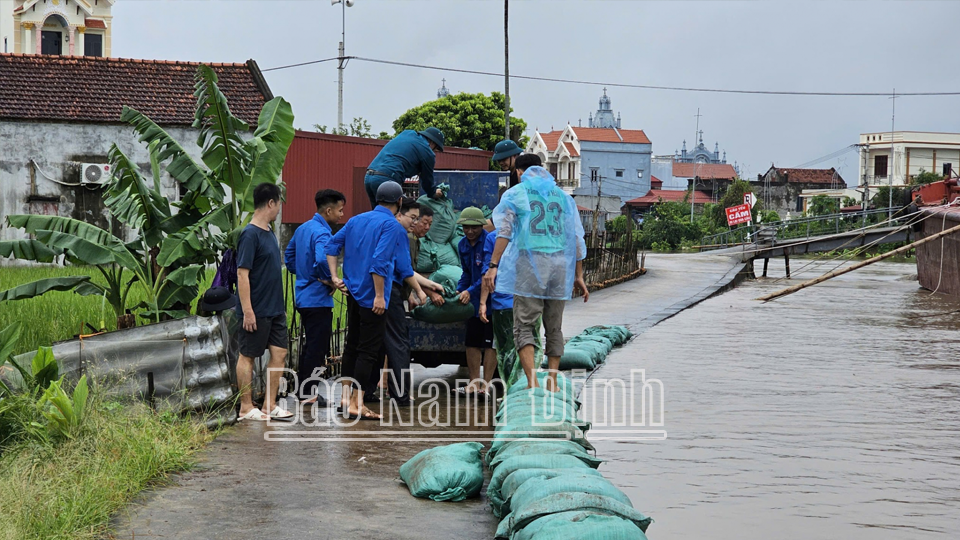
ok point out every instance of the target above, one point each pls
(253, 414)
(366, 414)
(280, 414)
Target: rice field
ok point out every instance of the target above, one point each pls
(58, 316)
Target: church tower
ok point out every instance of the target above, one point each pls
(604, 117)
(443, 92)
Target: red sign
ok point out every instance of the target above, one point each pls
(738, 214)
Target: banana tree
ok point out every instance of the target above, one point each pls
(219, 202)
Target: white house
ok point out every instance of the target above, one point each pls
(912, 151)
(56, 27)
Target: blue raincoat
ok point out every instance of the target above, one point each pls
(546, 238)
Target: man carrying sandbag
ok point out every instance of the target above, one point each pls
(411, 153)
(479, 341)
(540, 248)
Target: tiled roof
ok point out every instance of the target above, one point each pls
(572, 149)
(655, 195)
(808, 176)
(655, 182)
(94, 23)
(551, 139)
(634, 136)
(91, 89)
(704, 170)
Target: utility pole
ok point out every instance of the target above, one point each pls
(893, 117)
(596, 214)
(506, 69)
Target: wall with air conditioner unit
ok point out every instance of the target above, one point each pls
(53, 185)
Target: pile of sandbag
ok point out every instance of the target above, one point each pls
(452, 310)
(544, 483)
(591, 347)
(439, 247)
(445, 473)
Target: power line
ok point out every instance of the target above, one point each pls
(304, 64)
(829, 156)
(623, 85)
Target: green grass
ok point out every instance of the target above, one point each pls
(58, 316)
(70, 490)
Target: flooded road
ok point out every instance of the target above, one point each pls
(830, 413)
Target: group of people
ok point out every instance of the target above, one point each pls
(518, 270)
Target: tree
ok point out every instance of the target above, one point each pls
(821, 205)
(732, 197)
(467, 120)
(925, 177)
(359, 127)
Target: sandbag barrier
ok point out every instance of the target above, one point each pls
(590, 348)
(544, 483)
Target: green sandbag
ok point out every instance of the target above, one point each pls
(574, 357)
(452, 310)
(445, 473)
(617, 334)
(539, 428)
(516, 463)
(521, 405)
(566, 502)
(529, 447)
(565, 385)
(433, 255)
(522, 393)
(603, 341)
(517, 478)
(535, 489)
(582, 526)
(444, 219)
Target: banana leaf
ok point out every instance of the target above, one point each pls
(223, 149)
(132, 201)
(42, 286)
(28, 250)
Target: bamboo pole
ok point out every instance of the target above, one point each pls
(851, 268)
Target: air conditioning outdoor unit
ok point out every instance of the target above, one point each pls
(95, 173)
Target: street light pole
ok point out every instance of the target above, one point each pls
(341, 56)
(506, 69)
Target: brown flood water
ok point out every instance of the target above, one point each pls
(831, 413)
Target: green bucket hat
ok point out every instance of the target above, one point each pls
(472, 215)
(435, 135)
(505, 149)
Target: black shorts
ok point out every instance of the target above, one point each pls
(479, 335)
(270, 331)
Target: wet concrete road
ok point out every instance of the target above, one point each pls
(247, 487)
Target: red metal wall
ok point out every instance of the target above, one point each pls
(320, 161)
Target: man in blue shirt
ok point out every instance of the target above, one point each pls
(373, 244)
(410, 153)
(479, 340)
(306, 258)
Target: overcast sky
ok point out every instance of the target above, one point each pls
(807, 46)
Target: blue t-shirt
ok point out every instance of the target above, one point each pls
(306, 258)
(373, 242)
(259, 251)
(471, 260)
(499, 300)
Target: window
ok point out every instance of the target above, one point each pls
(51, 42)
(947, 170)
(880, 166)
(553, 170)
(594, 174)
(619, 173)
(93, 45)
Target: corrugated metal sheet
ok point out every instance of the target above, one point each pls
(937, 261)
(321, 161)
(186, 358)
